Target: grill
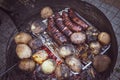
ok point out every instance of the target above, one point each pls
(22, 11)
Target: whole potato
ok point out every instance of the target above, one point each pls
(104, 38)
(78, 37)
(27, 65)
(48, 66)
(101, 62)
(37, 27)
(95, 47)
(22, 37)
(40, 56)
(73, 63)
(46, 12)
(66, 50)
(62, 72)
(23, 51)
(35, 43)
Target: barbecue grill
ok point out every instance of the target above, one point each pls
(22, 11)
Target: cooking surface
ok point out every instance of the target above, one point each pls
(111, 12)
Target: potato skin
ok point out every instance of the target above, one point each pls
(23, 51)
(101, 62)
(46, 12)
(104, 38)
(73, 63)
(22, 38)
(48, 66)
(78, 37)
(95, 47)
(66, 50)
(27, 65)
(37, 27)
(62, 72)
(40, 56)
(35, 43)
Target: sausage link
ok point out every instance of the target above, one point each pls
(77, 19)
(55, 33)
(61, 26)
(72, 26)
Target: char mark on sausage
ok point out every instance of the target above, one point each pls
(77, 19)
(55, 33)
(59, 22)
(72, 26)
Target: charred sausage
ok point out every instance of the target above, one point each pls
(61, 26)
(69, 23)
(55, 33)
(77, 19)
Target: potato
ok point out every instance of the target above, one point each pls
(73, 63)
(78, 37)
(84, 56)
(23, 51)
(62, 72)
(40, 56)
(27, 65)
(48, 66)
(104, 38)
(38, 27)
(66, 50)
(35, 43)
(22, 37)
(101, 62)
(46, 12)
(95, 47)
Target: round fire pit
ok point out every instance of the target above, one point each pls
(86, 10)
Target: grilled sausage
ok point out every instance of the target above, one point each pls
(61, 26)
(77, 19)
(55, 33)
(69, 23)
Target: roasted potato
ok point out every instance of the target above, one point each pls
(78, 37)
(66, 50)
(37, 27)
(95, 47)
(35, 43)
(22, 38)
(101, 62)
(104, 38)
(27, 65)
(40, 56)
(62, 72)
(48, 66)
(23, 51)
(73, 63)
(46, 12)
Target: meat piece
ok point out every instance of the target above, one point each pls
(55, 33)
(69, 23)
(77, 19)
(61, 26)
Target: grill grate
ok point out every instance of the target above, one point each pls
(33, 7)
